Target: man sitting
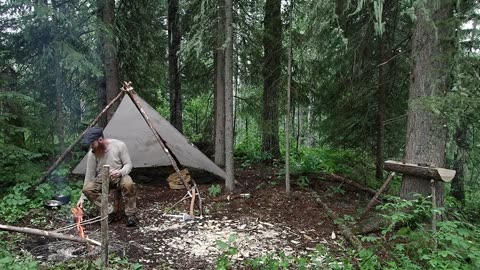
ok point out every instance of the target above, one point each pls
(112, 152)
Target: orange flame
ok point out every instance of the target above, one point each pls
(78, 218)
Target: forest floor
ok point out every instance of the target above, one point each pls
(268, 222)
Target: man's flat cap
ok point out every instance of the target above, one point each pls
(92, 134)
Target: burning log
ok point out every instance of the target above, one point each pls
(48, 234)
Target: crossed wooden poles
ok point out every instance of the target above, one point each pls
(127, 89)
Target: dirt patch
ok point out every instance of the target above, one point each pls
(267, 222)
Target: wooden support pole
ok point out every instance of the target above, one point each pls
(104, 214)
(69, 149)
(48, 234)
(374, 199)
(129, 90)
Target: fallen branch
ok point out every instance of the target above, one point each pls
(379, 192)
(48, 234)
(338, 178)
(230, 197)
(343, 229)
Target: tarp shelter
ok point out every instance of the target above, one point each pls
(128, 125)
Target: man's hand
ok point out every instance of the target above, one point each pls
(80, 203)
(116, 173)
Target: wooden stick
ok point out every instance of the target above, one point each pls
(129, 90)
(192, 203)
(344, 229)
(374, 199)
(48, 234)
(69, 149)
(104, 214)
(339, 178)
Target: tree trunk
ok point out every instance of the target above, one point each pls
(59, 101)
(230, 181)
(220, 87)
(174, 38)
(101, 84)
(272, 45)
(110, 49)
(432, 47)
(287, 116)
(57, 69)
(380, 113)
(458, 183)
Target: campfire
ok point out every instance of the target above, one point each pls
(78, 219)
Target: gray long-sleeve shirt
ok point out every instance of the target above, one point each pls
(116, 156)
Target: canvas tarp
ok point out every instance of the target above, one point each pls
(128, 125)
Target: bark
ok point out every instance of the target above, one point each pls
(48, 234)
(458, 183)
(110, 50)
(230, 181)
(287, 117)
(380, 113)
(272, 45)
(432, 47)
(101, 83)
(57, 69)
(174, 38)
(220, 87)
(104, 214)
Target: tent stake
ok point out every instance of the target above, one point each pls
(131, 93)
(69, 149)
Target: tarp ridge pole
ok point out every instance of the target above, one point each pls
(69, 149)
(131, 93)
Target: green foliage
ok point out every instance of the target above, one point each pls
(327, 160)
(9, 261)
(17, 165)
(453, 245)
(303, 182)
(214, 190)
(336, 190)
(16, 203)
(228, 250)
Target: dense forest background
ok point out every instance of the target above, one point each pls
(338, 76)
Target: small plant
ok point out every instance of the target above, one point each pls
(335, 190)
(214, 190)
(303, 182)
(224, 262)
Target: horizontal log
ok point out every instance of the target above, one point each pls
(48, 234)
(422, 171)
(338, 178)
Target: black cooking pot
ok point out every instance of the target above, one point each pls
(62, 198)
(52, 204)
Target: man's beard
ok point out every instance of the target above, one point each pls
(99, 150)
